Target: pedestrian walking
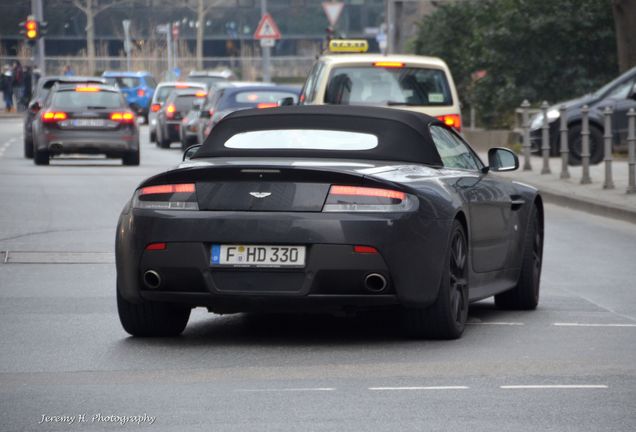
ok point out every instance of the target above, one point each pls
(18, 84)
(6, 85)
(68, 71)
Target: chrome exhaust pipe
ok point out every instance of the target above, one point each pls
(375, 282)
(152, 279)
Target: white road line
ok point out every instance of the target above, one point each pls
(500, 323)
(555, 386)
(420, 388)
(591, 325)
(316, 389)
(6, 145)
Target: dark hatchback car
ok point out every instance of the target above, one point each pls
(85, 119)
(227, 100)
(41, 92)
(170, 115)
(619, 94)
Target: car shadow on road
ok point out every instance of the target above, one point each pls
(376, 327)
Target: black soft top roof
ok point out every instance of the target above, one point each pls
(402, 135)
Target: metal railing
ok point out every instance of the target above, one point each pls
(523, 129)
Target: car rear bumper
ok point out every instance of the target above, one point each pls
(89, 142)
(410, 258)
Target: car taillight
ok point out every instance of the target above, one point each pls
(170, 111)
(200, 94)
(266, 105)
(53, 116)
(181, 196)
(452, 120)
(141, 93)
(388, 64)
(366, 199)
(155, 107)
(123, 117)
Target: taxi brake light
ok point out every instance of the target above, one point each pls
(452, 120)
(170, 110)
(388, 64)
(200, 94)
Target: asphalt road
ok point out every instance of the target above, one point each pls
(568, 366)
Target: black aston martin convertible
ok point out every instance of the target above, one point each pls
(330, 209)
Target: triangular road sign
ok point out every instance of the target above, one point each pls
(333, 11)
(267, 28)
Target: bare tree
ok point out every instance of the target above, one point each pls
(625, 22)
(92, 8)
(201, 8)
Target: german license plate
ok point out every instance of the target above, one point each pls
(88, 123)
(257, 256)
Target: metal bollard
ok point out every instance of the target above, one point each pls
(545, 139)
(631, 148)
(565, 150)
(526, 136)
(607, 138)
(585, 145)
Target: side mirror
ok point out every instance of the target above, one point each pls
(206, 114)
(502, 159)
(286, 101)
(35, 107)
(190, 151)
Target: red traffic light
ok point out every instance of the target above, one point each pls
(30, 28)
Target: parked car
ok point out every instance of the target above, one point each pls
(162, 92)
(44, 85)
(619, 94)
(329, 209)
(170, 115)
(86, 119)
(137, 87)
(229, 99)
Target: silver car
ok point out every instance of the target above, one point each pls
(162, 92)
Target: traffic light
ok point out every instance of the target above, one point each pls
(30, 29)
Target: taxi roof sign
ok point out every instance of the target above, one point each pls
(348, 45)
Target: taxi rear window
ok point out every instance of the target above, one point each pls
(70, 99)
(371, 85)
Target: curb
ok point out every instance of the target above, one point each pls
(587, 205)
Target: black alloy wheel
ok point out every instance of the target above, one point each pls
(575, 145)
(446, 318)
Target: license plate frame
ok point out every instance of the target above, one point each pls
(258, 256)
(89, 123)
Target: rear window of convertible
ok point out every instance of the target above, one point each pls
(303, 139)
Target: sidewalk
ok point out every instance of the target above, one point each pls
(591, 198)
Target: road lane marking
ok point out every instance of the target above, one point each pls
(420, 388)
(309, 389)
(591, 325)
(554, 386)
(501, 323)
(6, 145)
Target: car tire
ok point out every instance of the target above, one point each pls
(41, 157)
(575, 144)
(446, 318)
(131, 158)
(28, 148)
(162, 142)
(153, 137)
(152, 319)
(525, 295)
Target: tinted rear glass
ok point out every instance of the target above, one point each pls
(164, 91)
(184, 103)
(78, 100)
(254, 97)
(368, 85)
